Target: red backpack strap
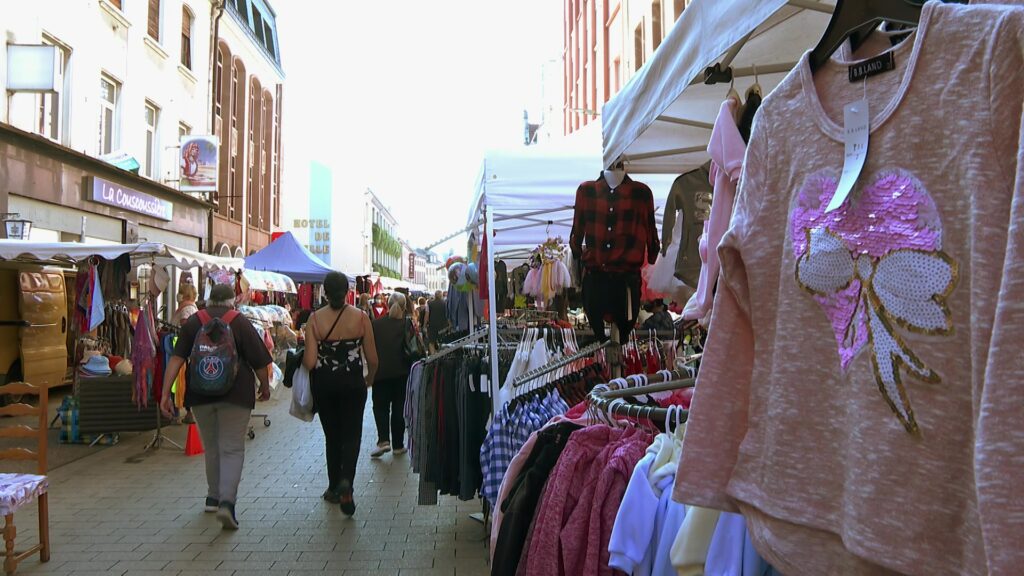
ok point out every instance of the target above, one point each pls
(204, 317)
(229, 316)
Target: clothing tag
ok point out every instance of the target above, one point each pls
(870, 67)
(855, 138)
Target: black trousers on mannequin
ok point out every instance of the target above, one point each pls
(614, 294)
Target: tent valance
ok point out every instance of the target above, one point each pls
(267, 281)
(73, 252)
(661, 121)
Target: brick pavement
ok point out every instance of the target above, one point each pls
(125, 512)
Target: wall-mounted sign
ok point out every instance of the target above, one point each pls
(412, 266)
(198, 163)
(31, 68)
(111, 194)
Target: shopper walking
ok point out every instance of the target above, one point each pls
(222, 418)
(421, 316)
(364, 305)
(436, 319)
(390, 333)
(339, 338)
(379, 308)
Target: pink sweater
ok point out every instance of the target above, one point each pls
(726, 149)
(863, 377)
(590, 478)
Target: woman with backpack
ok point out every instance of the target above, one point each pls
(226, 357)
(339, 338)
(392, 333)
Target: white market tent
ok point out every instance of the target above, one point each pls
(71, 252)
(531, 192)
(661, 120)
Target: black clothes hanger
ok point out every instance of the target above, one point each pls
(856, 19)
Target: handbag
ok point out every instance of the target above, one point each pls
(302, 396)
(292, 363)
(412, 346)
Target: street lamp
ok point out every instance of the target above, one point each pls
(17, 228)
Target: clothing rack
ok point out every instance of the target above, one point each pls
(457, 344)
(159, 437)
(551, 367)
(608, 398)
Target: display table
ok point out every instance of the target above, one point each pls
(106, 407)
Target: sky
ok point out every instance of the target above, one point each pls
(414, 94)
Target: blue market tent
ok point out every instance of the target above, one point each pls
(287, 256)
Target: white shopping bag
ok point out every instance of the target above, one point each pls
(302, 396)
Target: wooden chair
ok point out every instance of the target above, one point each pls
(17, 490)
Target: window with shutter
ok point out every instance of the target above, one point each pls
(153, 27)
(186, 38)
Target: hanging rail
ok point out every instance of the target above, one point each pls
(457, 344)
(609, 398)
(551, 367)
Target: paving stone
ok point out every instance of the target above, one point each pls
(122, 511)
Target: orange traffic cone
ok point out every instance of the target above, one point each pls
(193, 443)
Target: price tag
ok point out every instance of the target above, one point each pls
(855, 139)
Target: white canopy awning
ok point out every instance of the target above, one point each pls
(661, 120)
(532, 191)
(72, 252)
(268, 281)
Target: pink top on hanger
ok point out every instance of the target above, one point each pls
(727, 150)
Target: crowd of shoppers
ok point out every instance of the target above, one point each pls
(347, 350)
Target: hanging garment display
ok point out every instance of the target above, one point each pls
(613, 233)
(691, 195)
(501, 285)
(548, 275)
(446, 411)
(727, 150)
(871, 332)
(591, 493)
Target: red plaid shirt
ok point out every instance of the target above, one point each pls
(612, 229)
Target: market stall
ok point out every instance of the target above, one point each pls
(661, 121)
(95, 308)
(286, 255)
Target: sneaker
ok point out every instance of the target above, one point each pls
(382, 449)
(212, 504)
(400, 451)
(332, 496)
(348, 504)
(226, 515)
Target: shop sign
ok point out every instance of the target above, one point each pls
(198, 163)
(412, 266)
(111, 194)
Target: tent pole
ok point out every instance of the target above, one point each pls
(492, 308)
(492, 305)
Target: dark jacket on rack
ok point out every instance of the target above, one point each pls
(691, 194)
